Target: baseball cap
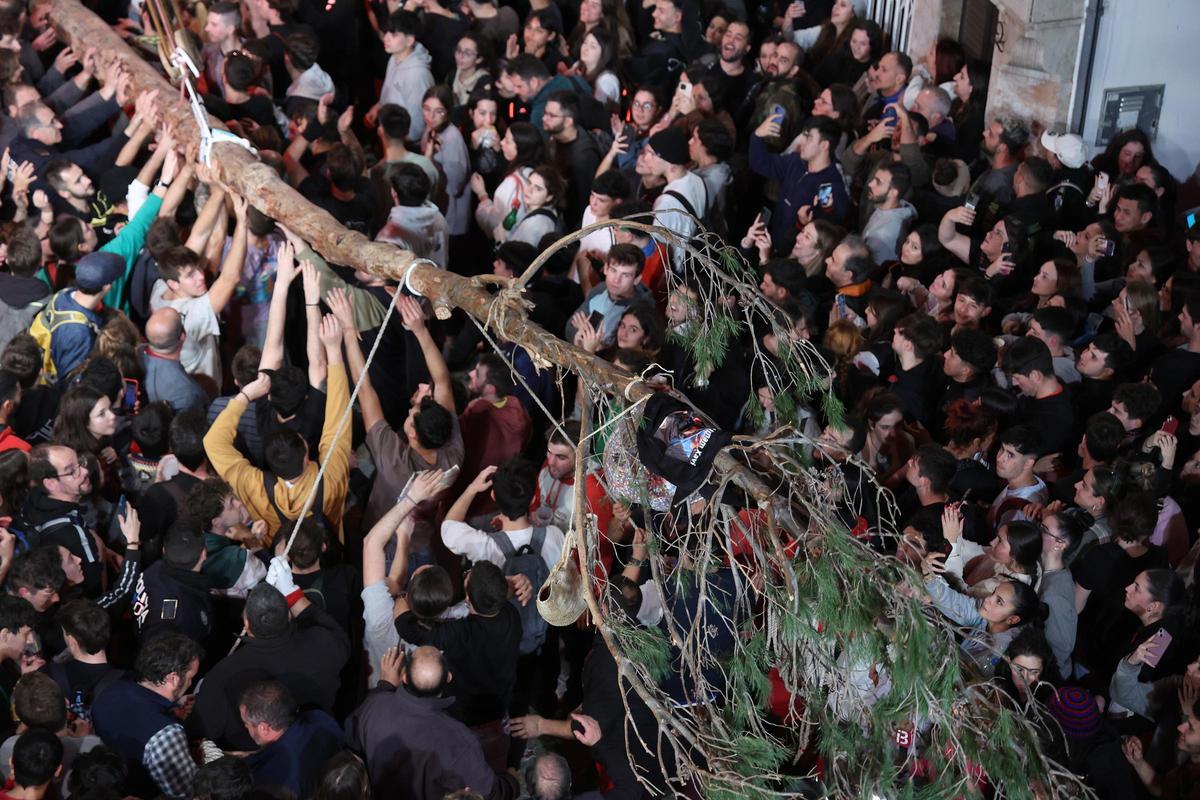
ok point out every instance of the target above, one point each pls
(1069, 148)
(96, 270)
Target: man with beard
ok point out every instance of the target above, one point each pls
(573, 151)
(137, 718)
(730, 65)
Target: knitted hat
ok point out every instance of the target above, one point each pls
(670, 145)
(1075, 709)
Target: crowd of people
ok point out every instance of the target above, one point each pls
(223, 580)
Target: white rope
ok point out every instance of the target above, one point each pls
(312, 493)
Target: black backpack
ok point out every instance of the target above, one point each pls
(527, 561)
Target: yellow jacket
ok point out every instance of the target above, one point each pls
(247, 480)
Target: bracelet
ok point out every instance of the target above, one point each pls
(638, 562)
(162, 185)
(312, 304)
(402, 497)
(243, 394)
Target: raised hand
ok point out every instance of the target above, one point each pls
(331, 332)
(339, 303)
(412, 316)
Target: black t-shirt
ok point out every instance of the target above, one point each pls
(1105, 625)
(76, 676)
(158, 509)
(1173, 374)
(1053, 418)
(258, 108)
(334, 589)
(482, 653)
(34, 420)
(354, 214)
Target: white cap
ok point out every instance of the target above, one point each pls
(1069, 148)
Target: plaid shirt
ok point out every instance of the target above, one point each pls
(170, 764)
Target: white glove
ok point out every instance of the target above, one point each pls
(279, 575)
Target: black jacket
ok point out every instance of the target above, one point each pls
(44, 519)
(307, 659)
(168, 598)
(413, 748)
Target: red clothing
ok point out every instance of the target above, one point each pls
(492, 434)
(10, 441)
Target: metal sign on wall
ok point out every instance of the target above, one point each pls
(1130, 107)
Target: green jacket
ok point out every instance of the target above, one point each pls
(128, 244)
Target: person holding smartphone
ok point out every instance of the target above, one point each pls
(811, 187)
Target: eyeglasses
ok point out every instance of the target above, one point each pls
(645, 105)
(434, 111)
(74, 470)
(459, 51)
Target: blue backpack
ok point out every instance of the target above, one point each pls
(527, 561)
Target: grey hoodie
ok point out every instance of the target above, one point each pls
(405, 85)
(421, 229)
(884, 228)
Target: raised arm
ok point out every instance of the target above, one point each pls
(482, 482)
(285, 272)
(948, 234)
(423, 486)
(317, 366)
(368, 399)
(413, 317)
(220, 293)
(213, 208)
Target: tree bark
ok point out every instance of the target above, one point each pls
(242, 171)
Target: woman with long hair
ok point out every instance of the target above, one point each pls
(522, 148)
(821, 41)
(849, 63)
(992, 622)
(1097, 493)
(608, 16)
(86, 423)
(921, 257)
(1124, 156)
(838, 102)
(1135, 318)
(483, 119)
(471, 57)
(443, 143)
(544, 194)
(967, 108)
(814, 244)
(888, 446)
(638, 329)
(597, 64)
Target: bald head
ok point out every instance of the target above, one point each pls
(426, 674)
(549, 778)
(164, 330)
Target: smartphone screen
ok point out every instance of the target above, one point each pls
(779, 112)
(1110, 247)
(972, 201)
(765, 215)
(825, 194)
(1170, 425)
